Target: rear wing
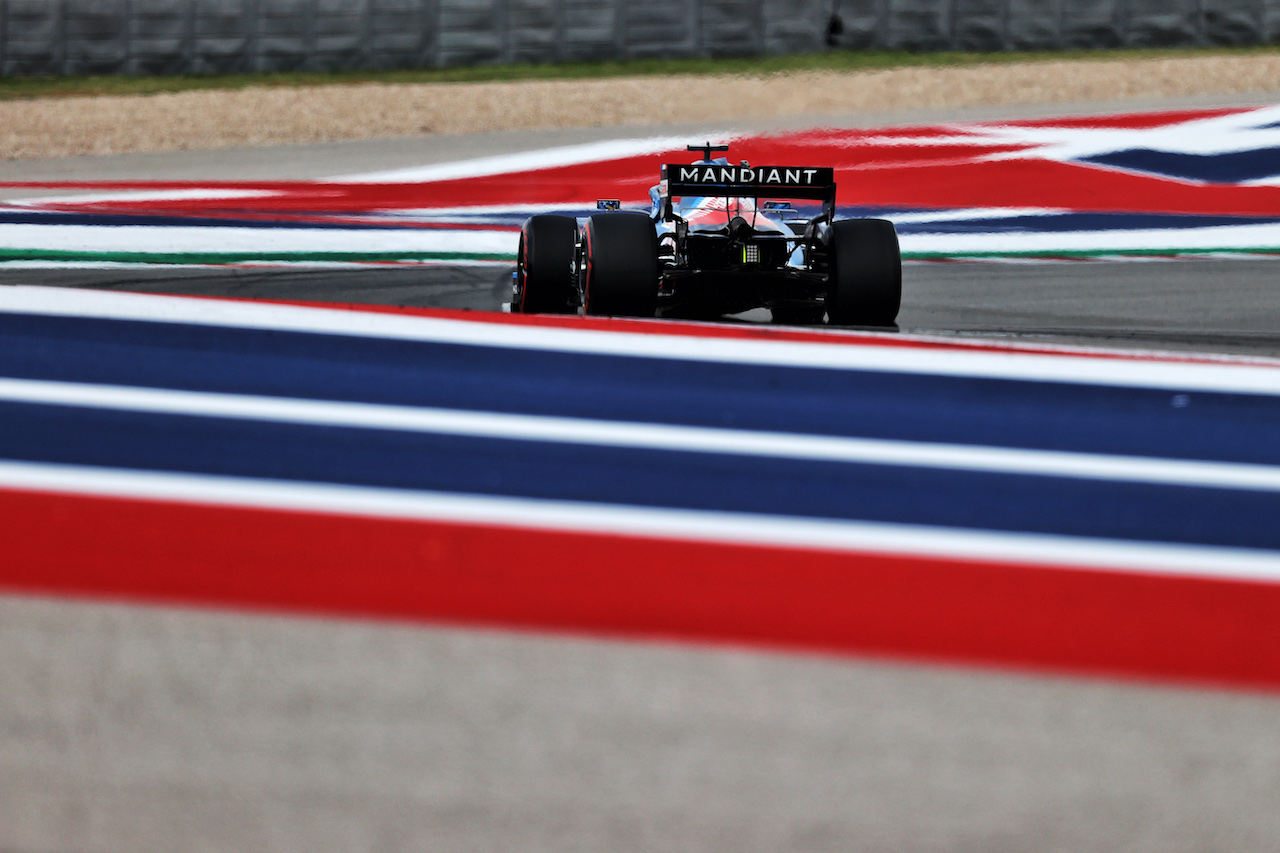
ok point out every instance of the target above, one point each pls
(709, 179)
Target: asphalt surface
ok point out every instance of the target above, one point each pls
(140, 728)
(156, 729)
(1212, 305)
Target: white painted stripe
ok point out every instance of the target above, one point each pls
(99, 265)
(1239, 131)
(1224, 237)
(682, 525)
(503, 241)
(524, 161)
(478, 211)
(973, 214)
(194, 194)
(947, 358)
(225, 240)
(664, 437)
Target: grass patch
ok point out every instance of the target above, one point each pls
(12, 88)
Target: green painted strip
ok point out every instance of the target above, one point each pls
(240, 257)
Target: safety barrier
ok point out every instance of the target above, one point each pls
(63, 37)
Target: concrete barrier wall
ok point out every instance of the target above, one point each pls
(219, 36)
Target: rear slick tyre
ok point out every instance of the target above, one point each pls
(620, 260)
(544, 265)
(865, 284)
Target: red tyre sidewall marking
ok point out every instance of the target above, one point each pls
(586, 287)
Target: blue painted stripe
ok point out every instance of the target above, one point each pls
(1040, 415)
(1223, 168)
(628, 476)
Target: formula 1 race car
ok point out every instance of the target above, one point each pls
(712, 245)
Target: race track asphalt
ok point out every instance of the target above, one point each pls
(1211, 305)
(146, 728)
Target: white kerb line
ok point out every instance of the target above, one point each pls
(650, 436)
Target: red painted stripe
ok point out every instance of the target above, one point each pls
(868, 174)
(871, 168)
(1102, 623)
(1042, 183)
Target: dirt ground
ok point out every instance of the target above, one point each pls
(62, 127)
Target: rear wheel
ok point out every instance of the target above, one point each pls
(544, 265)
(865, 286)
(620, 258)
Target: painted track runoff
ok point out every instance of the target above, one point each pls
(224, 714)
(895, 463)
(448, 734)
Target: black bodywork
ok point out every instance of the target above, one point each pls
(753, 255)
(710, 247)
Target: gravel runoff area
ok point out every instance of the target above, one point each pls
(72, 126)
